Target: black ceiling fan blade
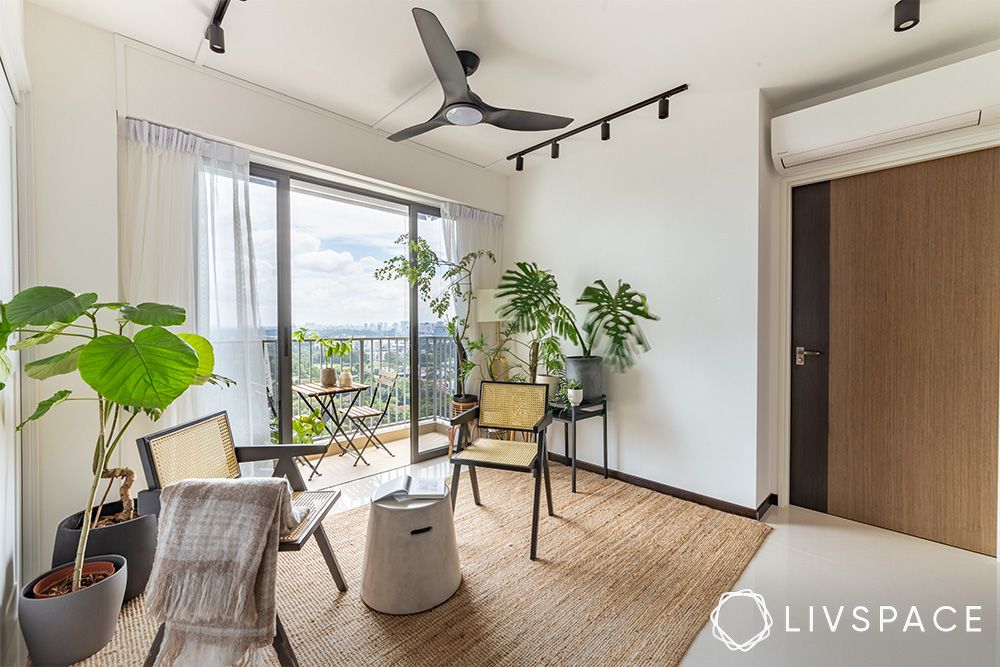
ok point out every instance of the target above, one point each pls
(525, 121)
(414, 130)
(441, 52)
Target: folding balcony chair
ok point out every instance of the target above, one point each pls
(204, 449)
(506, 406)
(360, 415)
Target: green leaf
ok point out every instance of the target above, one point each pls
(5, 368)
(613, 319)
(58, 364)
(146, 372)
(206, 356)
(154, 314)
(5, 327)
(47, 336)
(41, 306)
(45, 406)
(110, 305)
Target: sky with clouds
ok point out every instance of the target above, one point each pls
(336, 248)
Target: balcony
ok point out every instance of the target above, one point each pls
(369, 356)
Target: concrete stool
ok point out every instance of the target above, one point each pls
(411, 556)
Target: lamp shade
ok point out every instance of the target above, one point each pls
(488, 305)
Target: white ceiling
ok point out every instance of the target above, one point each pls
(582, 58)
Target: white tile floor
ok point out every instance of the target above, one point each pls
(816, 559)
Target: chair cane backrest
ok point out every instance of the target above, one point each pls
(202, 449)
(512, 406)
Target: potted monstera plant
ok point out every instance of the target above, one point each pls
(137, 366)
(532, 307)
(612, 327)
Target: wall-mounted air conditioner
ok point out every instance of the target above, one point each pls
(946, 100)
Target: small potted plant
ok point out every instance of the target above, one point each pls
(574, 391)
(457, 292)
(330, 347)
(131, 372)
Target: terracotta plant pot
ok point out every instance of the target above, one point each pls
(134, 539)
(328, 377)
(105, 567)
(72, 627)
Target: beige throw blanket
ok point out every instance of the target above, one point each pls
(213, 578)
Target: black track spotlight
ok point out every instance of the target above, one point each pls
(906, 15)
(555, 150)
(216, 37)
(519, 163)
(664, 108)
(605, 131)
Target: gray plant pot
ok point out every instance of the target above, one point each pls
(590, 372)
(73, 627)
(134, 539)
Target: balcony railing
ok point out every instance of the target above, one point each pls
(369, 356)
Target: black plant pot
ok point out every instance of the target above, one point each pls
(134, 539)
(590, 372)
(72, 627)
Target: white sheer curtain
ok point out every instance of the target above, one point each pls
(185, 238)
(467, 229)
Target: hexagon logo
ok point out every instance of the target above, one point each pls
(765, 616)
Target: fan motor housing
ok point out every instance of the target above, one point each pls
(469, 60)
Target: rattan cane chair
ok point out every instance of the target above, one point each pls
(204, 449)
(383, 389)
(506, 406)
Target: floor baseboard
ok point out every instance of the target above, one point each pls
(683, 494)
(768, 503)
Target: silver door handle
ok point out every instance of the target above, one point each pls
(801, 353)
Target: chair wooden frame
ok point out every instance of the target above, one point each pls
(284, 457)
(385, 379)
(539, 465)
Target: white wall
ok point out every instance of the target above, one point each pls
(769, 341)
(10, 442)
(76, 91)
(74, 235)
(672, 207)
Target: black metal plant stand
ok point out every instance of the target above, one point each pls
(569, 416)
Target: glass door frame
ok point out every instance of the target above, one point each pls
(283, 178)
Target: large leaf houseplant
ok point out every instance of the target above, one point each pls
(611, 327)
(533, 309)
(137, 366)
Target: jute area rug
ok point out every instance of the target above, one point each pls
(625, 576)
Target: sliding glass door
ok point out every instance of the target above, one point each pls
(434, 357)
(328, 242)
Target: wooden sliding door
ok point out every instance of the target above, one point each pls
(912, 352)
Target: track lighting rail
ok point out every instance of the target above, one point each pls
(605, 122)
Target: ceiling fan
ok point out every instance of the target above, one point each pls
(461, 105)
